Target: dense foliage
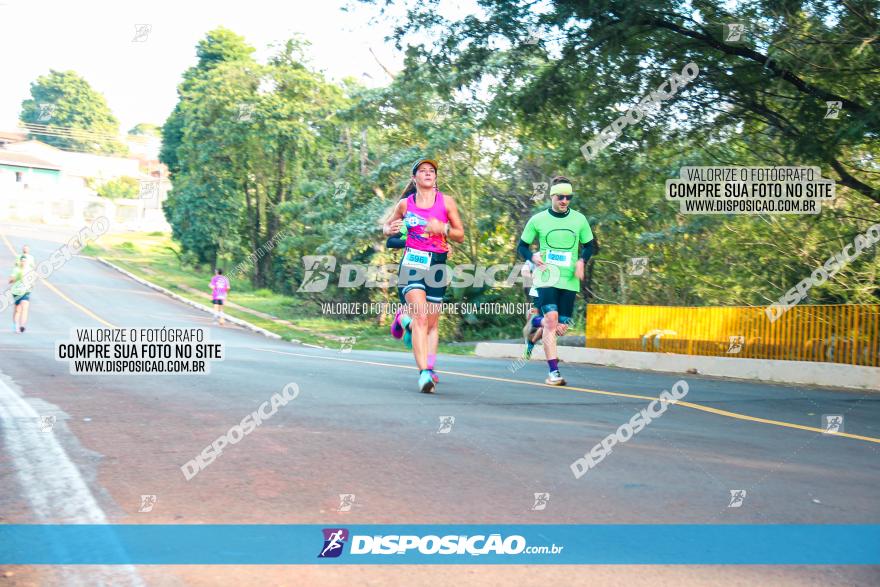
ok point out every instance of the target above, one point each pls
(505, 99)
(73, 115)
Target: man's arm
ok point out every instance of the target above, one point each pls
(588, 250)
(523, 248)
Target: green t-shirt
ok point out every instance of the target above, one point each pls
(20, 287)
(559, 241)
(30, 263)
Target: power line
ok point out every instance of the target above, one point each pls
(80, 133)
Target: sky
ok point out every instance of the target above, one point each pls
(96, 39)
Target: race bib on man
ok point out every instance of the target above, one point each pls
(560, 258)
(416, 259)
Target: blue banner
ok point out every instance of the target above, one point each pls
(439, 544)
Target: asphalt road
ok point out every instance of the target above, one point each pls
(360, 427)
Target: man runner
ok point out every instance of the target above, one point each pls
(31, 262)
(565, 241)
(22, 280)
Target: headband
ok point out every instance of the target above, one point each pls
(561, 189)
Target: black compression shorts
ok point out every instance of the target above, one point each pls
(553, 299)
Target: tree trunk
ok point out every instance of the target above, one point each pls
(257, 279)
(364, 152)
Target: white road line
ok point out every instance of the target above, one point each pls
(52, 484)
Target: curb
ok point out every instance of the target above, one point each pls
(243, 323)
(764, 370)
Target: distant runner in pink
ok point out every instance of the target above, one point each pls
(219, 288)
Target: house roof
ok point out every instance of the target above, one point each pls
(34, 143)
(12, 136)
(24, 160)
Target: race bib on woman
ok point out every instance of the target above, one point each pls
(416, 259)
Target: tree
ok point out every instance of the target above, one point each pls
(796, 56)
(122, 187)
(203, 205)
(71, 115)
(146, 129)
(219, 46)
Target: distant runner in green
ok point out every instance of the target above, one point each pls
(26, 253)
(21, 281)
(565, 244)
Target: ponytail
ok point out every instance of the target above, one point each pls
(409, 190)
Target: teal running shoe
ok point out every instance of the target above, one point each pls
(405, 321)
(426, 382)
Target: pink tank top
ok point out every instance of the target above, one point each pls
(417, 218)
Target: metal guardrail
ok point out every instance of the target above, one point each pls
(842, 333)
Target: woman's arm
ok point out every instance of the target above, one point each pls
(395, 219)
(456, 228)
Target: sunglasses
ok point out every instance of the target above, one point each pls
(565, 198)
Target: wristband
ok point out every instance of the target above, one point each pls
(448, 226)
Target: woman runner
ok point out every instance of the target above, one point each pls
(432, 220)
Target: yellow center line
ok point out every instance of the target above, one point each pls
(60, 294)
(691, 405)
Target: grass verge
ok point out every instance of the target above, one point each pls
(155, 257)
